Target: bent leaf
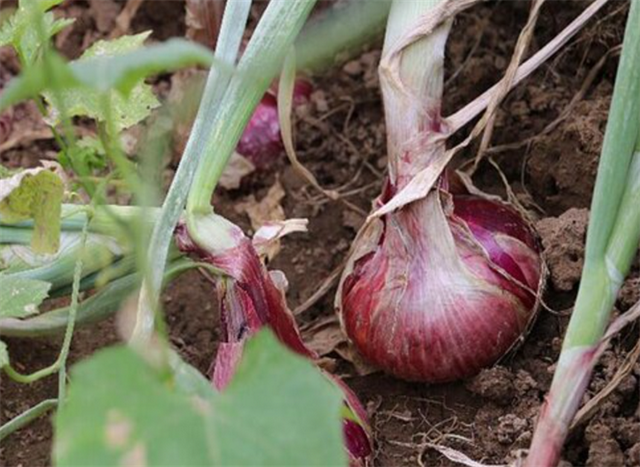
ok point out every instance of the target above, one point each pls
(20, 297)
(279, 410)
(34, 194)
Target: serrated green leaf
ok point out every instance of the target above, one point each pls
(126, 110)
(34, 194)
(19, 30)
(279, 410)
(4, 355)
(20, 297)
(87, 155)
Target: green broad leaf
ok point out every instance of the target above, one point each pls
(20, 29)
(125, 111)
(20, 297)
(121, 412)
(34, 194)
(279, 410)
(87, 155)
(4, 355)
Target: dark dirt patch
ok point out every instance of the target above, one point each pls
(341, 139)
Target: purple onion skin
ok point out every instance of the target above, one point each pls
(251, 301)
(261, 141)
(425, 309)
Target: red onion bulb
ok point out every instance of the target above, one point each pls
(442, 288)
(261, 141)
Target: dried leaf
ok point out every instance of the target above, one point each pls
(203, 19)
(34, 194)
(268, 209)
(237, 168)
(266, 240)
(324, 335)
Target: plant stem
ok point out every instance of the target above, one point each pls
(278, 27)
(413, 93)
(60, 364)
(27, 417)
(96, 308)
(612, 240)
(339, 32)
(234, 20)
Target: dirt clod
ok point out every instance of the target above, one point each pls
(495, 384)
(563, 241)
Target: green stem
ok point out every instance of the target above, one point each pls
(15, 235)
(340, 32)
(71, 323)
(27, 417)
(96, 308)
(612, 241)
(261, 60)
(234, 20)
(60, 364)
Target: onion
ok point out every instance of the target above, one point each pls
(261, 141)
(447, 283)
(447, 289)
(251, 298)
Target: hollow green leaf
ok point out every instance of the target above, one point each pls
(279, 410)
(34, 194)
(20, 297)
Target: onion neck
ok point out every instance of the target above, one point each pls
(412, 90)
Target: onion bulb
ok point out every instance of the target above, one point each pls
(448, 285)
(446, 280)
(261, 142)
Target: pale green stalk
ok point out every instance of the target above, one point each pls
(199, 143)
(60, 365)
(413, 103)
(95, 308)
(340, 32)
(27, 417)
(612, 241)
(278, 27)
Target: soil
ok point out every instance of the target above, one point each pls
(341, 139)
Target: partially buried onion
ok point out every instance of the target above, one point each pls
(444, 280)
(448, 287)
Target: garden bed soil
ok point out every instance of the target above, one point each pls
(340, 137)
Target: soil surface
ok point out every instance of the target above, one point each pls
(549, 164)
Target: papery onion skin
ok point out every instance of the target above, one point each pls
(250, 300)
(450, 287)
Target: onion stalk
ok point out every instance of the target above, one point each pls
(612, 242)
(251, 298)
(446, 285)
